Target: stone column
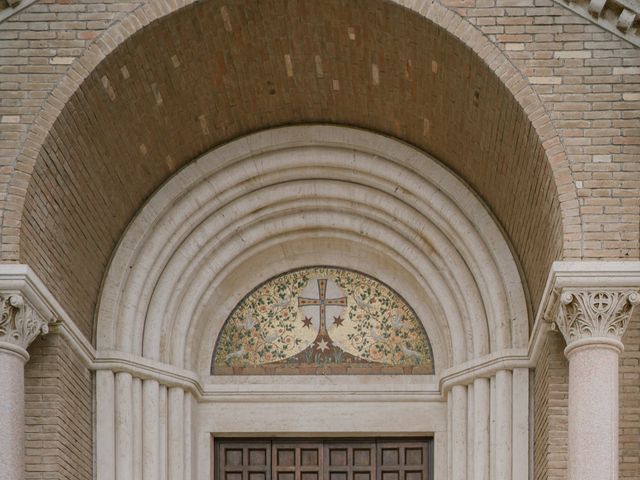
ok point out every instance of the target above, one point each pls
(124, 426)
(482, 407)
(105, 424)
(503, 425)
(520, 424)
(150, 430)
(20, 324)
(593, 322)
(459, 432)
(175, 433)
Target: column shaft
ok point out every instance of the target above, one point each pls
(105, 424)
(188, 459)
(504, 416)
(593, 412)
(470, 431)
(162, 425)
(520, 450)
(176, 433)
(137, 428)
(11, 415)
(492, 429)
(150, 430)
(482, 394)
(124, 426)
(459, 433)
(449, 434)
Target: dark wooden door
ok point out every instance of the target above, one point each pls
(328, 459)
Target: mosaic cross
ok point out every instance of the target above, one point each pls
(322, 302)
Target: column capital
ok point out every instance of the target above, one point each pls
(585, 315)
(20, 322)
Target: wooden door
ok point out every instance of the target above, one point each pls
(323, 459)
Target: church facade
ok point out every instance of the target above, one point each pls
(320, 240)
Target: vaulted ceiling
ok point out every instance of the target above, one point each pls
(212, 72)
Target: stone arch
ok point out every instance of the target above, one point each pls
(118, 38)
(324, 195)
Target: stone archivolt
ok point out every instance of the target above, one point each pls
(20, 323)
(595, 313)
(324, 195)
(332, 200)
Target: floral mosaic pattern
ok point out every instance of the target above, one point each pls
(322, 320)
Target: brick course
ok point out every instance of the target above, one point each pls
(589, 82)
(58, 413)
(630, 402)
(551, 397)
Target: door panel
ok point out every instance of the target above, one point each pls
(403, 460)
(309, 459)
(244, 460)
(350, 461)
(297, 460)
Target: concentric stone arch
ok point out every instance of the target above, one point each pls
(325, 195)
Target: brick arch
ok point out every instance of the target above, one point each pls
(536, 248)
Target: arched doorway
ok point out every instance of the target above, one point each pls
(171, 99)
(291, 198)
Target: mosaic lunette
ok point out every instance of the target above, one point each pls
(322, 320)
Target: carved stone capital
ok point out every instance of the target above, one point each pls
(585, 314)
(20, 323)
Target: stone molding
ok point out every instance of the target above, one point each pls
(620, 17)
(484, 367)
(14, 6)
